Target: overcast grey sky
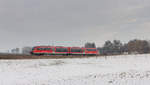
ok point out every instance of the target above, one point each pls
(72, 22)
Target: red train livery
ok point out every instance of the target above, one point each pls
(59, 50)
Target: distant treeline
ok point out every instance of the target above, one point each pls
(116, 47)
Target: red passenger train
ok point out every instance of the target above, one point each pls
(59, 50)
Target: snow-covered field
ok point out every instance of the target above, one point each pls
(114, 70)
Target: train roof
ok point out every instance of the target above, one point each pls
(42, 46)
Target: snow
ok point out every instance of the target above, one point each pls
(108, 70)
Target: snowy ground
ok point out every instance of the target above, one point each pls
(115, 70)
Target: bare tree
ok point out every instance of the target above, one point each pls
(138, 46)
(90, 45)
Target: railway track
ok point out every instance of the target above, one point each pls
(21, 56)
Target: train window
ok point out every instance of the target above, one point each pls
(47, 49)
(44, 48)
(39, 48)
(91, 49)
(76, 50)
(61, 50)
